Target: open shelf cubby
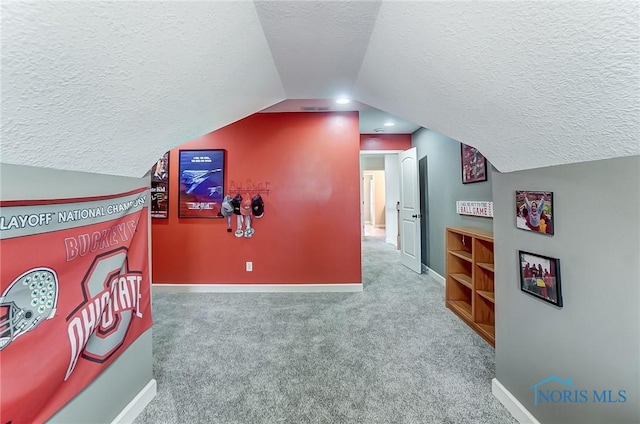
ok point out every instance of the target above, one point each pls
(470, 278)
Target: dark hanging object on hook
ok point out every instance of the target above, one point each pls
(257, 206)
(236, 202)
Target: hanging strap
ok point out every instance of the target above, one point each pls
(249, 231)
(239, 232)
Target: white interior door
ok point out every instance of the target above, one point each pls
(410, 210)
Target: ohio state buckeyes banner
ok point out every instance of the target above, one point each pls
(74, 294)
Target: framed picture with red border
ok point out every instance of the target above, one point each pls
(474, 165)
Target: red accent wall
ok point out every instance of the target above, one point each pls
(310, 232)
(385, 141)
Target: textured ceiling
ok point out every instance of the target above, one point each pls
(109, 86)
(530, 84)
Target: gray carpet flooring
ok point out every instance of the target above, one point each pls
(390, 354)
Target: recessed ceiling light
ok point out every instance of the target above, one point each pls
(389, 124)
(342, 101)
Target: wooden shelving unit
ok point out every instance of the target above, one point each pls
(470, 276)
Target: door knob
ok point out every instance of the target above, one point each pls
(417, 216)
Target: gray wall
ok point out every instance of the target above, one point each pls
(445, 188)
(595, 337)
(106, 396)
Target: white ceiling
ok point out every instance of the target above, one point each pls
(108, 86)
(317, 46)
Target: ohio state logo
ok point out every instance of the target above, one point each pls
(99, 325)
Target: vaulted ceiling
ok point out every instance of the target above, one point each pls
(108, 87)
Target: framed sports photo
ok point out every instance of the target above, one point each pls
(534, 211)
(474, 165)
(540, 277)
(160, 188)
(201, 183)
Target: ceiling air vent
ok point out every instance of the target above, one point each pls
(314, 108)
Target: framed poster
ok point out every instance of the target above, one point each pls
(540, 277)
(201, 182)
(534, 211)
(160, 188)
(474, 165)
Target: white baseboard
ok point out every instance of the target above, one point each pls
(137, 404)
(257, 288)
(435, 276)
(512, 404)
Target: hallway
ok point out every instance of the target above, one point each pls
(371, 231)
(392, 353)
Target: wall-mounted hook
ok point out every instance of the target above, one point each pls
(249, 187)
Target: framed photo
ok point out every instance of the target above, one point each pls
(201, 182)
(474, 165)
(540, 277)
(534, 211)
(160, 188)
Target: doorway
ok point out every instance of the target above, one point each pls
(379, 194)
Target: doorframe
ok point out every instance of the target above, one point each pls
(367, 180)
(372, 199)
(423, 183)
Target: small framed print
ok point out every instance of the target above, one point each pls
(474, 165)
(160, 188)
(540, 277)
(534, 211)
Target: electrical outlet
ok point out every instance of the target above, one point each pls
(249, 266)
